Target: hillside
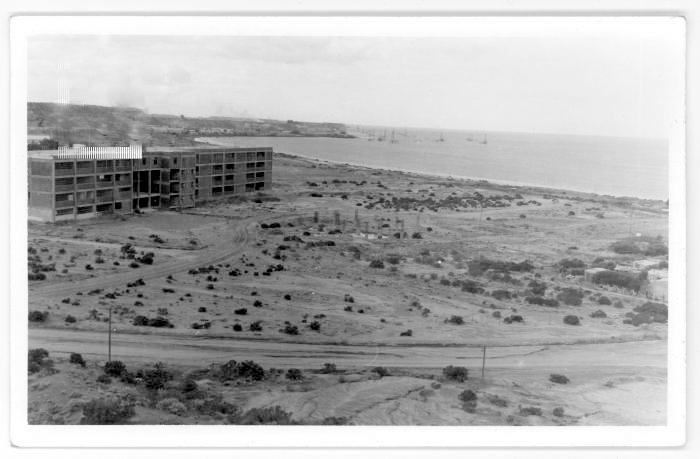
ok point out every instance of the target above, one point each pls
(111, 126)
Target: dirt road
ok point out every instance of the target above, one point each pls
(240, 233)
(196, 351)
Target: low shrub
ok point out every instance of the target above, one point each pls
(570, 296)
(530, 411)
(172, 406)
(237, 327)
(502, 294)
(294, 374)
(467, 396)
(648, 313)
(77, 359)
(572, 320)
(38, 360)
(408, 332)
(241, 311)
(107, 410)
(328, 368)
(378, 264)
(498, 401)
(453, 373)
(38, 316)
(537, 288)
(70, 319)
(381, 371)
(599, 314)
(558, 379)
(156, 378)
(315, 325)
(513, 318)
(456, 320)
(542, 301)
(558, 412)
(256, 326)
(291, 329)
(114, 368)
(604, 300)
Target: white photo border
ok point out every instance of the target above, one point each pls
(25, 435)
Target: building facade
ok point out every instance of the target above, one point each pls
(70, 187)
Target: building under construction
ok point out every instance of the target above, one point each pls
(69, 184)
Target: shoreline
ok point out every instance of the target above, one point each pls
(484, 180)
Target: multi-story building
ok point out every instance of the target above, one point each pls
(68, 185)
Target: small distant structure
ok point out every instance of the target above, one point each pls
(590, 273)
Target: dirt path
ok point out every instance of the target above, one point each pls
(197, 351)
(227, 249)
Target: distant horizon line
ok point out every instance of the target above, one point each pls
(347, 124)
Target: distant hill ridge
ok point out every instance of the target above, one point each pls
(112, 126)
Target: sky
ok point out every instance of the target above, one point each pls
(613, 86)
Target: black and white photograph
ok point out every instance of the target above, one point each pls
(351, 222)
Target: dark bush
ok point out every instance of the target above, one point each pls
(567, 264)
(537, 288)
(107, 411)
(558, 412)
(70, 319)
(159, 322)
(459, 374)
(328, 368)
(378, 264)
(599, 314)
(38, 360)
(288, 297)
(294, 374)
(315, 325)
(114, 368)
(38, 316)
(406, 333)
(572, 320)
(381, 371)
(513, 318)
(140, 321)
(541, 301)
(530, 411)
(256, 326)
(291, 329)
(559, 379)
(251, 370)
(237, 327)
(604, 300)
(240, 311)
(570, 296)
(156, 378)
(647, 313)
(467, 396)
(502, 294)
(104, 379)
(456, 320)
(202, 309)
(77, 359)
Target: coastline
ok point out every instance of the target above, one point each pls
(485, 180)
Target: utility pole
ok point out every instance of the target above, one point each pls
(109, 336)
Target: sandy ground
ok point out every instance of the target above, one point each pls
(312, 282)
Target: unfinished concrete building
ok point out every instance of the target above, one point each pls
(66, 186)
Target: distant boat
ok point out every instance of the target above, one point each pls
(393, 137)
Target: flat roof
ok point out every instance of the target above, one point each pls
(54, 154)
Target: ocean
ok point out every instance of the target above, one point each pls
(603, 165)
